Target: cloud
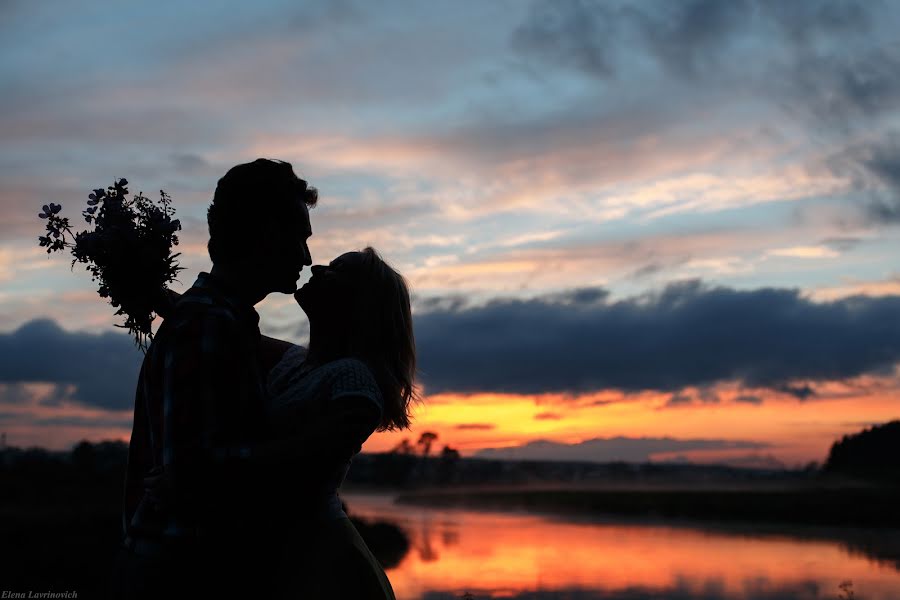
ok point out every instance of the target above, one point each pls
(592, 262)
(874, 168)
(612, 449)
(842, 243)
(476, 426)
(851, 286)
(800, 392)
(804, 252)
(704, 395)
(43, 394)
(843, 89)
(648, 270)
(547, 416)
(103, 368)
(575, 34)
(828, 68)
(105, 422)
(189, 163)
(748, 399)
(685, 335)
(679, 399)
(690, 39)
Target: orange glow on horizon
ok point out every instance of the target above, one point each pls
(797, 431)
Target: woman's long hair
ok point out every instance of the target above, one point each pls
(382, 336)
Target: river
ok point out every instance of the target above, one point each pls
(521, 556)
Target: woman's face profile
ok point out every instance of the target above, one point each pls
(333, 289)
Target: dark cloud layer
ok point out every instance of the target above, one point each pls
(686, 335)
(683, 336)
(103, 368)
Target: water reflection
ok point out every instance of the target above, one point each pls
(521, 556)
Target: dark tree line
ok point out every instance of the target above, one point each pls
(872, 453)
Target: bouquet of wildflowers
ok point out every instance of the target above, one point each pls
(128, 251)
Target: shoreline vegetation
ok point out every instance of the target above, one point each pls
(842, 504)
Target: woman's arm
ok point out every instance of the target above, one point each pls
(340, 432)
(337, 434)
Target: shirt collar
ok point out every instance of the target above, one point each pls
(229, 293)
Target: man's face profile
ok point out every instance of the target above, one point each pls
(288, 248)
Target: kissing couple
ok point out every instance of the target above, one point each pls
(241, 441)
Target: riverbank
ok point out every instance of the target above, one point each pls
(852, 506)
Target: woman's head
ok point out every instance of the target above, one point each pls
(359, 306)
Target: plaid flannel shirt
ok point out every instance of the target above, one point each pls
(198, 409)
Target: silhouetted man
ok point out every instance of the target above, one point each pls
(194, 508)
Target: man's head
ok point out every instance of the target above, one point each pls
(259, 223)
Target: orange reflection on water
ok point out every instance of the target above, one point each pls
(503, 554)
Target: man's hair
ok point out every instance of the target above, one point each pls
(248, 199)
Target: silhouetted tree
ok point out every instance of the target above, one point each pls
(404, 447)
(448, 464)
(83, 456)
(449, 454)
(425, 441)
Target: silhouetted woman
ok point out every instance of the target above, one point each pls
(355, 378)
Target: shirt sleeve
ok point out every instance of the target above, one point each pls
(354, 379)
(356, 404)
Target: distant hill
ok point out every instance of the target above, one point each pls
(871, 453)
(614, 449)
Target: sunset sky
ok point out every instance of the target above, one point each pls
(641, 230)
